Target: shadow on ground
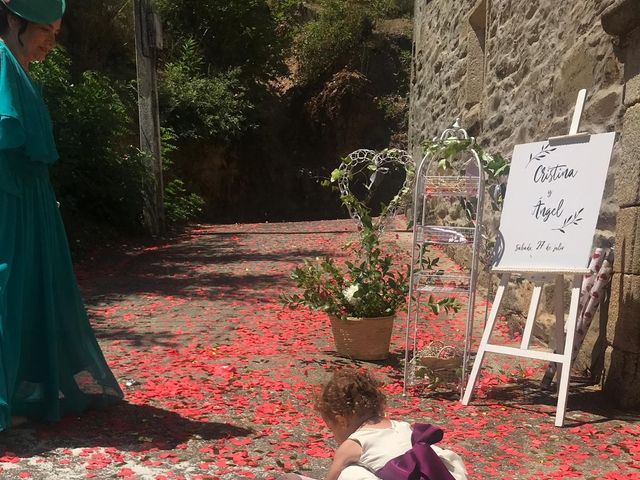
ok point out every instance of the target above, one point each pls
(583, 397)
(209, 269)
(126, 427)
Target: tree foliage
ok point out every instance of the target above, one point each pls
(324, 43)
(391, 8)
(221, 61)
(289, 16)
(233, 34)
(198, 103)
(339, 33)
(99, 35)
(101, 174)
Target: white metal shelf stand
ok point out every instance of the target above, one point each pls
(425, 282)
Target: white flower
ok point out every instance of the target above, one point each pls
(350, 292)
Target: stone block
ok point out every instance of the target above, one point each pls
(632, 69)
(474, 78)
(627, 258)
(591, 347)
(604, 105)
(622, 385)
(472, 120)
(621, 17)
(632, 89)
(623, 332)
(576, 71)
(628, 178)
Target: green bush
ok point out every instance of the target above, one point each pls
(100, 175)
(329, 41)
(180, 205)
(198, 103)
(288, 15)
(231, 34)
(391, 8)
(341, 34)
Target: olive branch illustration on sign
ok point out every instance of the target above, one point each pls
(573, 219)
(546, 150)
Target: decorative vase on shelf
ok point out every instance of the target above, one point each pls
(366, 338)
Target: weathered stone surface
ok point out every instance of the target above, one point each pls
(604, 104)
(536, 58)
(621, 17)
(632, 69)
(623, 380)
(624, 309)
(628, 241)
(552, 53)
(627, 184)
(537, 55)
(475, 67)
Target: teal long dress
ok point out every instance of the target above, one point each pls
(50, 362)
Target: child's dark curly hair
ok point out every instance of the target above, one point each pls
(351, 393)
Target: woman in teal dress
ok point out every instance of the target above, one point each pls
(50, 362)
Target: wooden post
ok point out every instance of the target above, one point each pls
(148, 41)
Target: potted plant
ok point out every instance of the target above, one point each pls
(363, 295)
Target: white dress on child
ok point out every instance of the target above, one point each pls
(379, 445)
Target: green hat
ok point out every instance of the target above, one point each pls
(37, 11)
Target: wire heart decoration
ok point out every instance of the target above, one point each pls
(376, 165)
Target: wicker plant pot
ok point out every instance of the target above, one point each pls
(362, 338)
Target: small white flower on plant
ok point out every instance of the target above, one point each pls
(350, 292)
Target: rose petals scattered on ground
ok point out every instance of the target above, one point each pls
(220, 378)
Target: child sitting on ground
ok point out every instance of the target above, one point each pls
(353, 407)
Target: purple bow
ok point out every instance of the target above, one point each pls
(420, 462)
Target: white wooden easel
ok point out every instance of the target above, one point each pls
(564, 341)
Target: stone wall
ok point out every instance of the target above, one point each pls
(511, 71)
(536, 56)
(622, 20)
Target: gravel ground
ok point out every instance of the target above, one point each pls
(219, 377)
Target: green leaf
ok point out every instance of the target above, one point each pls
(336, 175)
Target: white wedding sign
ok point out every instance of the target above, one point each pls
(552, 205)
